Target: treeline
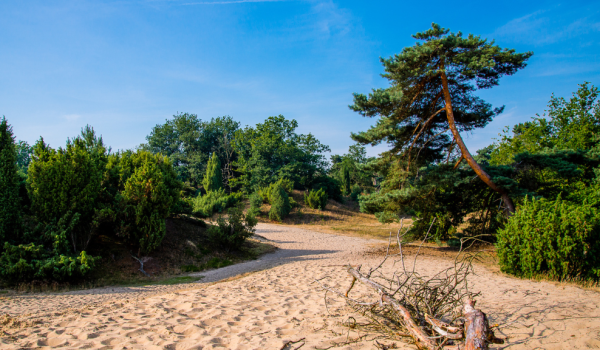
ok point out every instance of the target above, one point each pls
(535, 191)
(219, 163)
(55, 203)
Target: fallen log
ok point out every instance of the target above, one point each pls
(477, 330)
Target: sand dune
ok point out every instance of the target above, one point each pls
(279, 302)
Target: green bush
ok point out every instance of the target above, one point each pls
(386, 217)
(231, 234)
(149, 195)
(331, 186)
(316, 199)
(213, 180)
(10, 181)
(62, 181)
(266, 192)
(355, 192)
(256, 202)
(551, 237)
(214, 202)
(280, 204)
(47, 256)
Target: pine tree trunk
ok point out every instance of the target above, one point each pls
(465, 151)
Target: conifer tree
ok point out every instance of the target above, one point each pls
(430, 100)
(212, 178)
(10, 209)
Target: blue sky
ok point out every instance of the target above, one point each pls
(125, 66)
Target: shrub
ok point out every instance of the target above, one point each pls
(214, 202)
(553, 237)
(213, 180)
(386, 217)
(67, 180)
(231, 234)
(255, 203)
(356, 191)
(148, 197)
(280, 204)
(316, 199)
(47, 255)
(330, 185)
(266, 192)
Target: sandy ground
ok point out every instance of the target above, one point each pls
(275, 301)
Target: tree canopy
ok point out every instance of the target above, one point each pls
(272, 150)
(431, 99)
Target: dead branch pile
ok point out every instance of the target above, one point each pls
(436, 312)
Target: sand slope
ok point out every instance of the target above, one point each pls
(277, 303)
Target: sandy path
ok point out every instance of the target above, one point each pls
(263, 309)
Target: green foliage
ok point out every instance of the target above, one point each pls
(280, 204)
(267, 191)
(553, 237)
(47, 256)
(148, 197)
(10, 202)
(447, 194)
(78, 191)
(385, 217)
(213, 177)
(567, 125)
(355, 192)
(412, 114)
(413, 120)
(346, 180)
(256, 202)
(272, 151)
(231, 234)
(350, 169)
(316, 199)
(330, 185)
(217, 263)
(67, 180)
(24, 153)
(188, 141)
(214, 202)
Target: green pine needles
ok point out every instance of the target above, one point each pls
(316, 199)
(280, 204)
(10, 206)
(557, 238)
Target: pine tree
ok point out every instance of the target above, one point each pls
(430, 100)
(212, 178)
(10, 208)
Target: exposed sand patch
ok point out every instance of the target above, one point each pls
(263, 310)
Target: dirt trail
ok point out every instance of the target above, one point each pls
(280, 302)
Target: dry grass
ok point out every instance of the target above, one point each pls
(337, 218)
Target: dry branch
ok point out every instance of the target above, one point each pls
(415, 305)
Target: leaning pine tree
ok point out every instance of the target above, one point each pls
(430, 100)
(10, 209)
(213, 179)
